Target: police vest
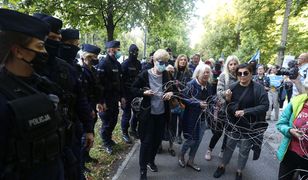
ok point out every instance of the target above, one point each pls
(38, 134)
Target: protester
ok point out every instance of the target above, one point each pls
(275, 84)
(293, 124)
(302, 61)
(182, 75)
(225, 79)
(194, 62)
(196, 97)
(261, 78)
(248, 103)
(156, 112)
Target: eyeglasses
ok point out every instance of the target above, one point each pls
(245, 73)
(162, 63)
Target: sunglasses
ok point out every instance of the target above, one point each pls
(245, 73)
(162, 63)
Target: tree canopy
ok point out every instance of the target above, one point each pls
(248, 25)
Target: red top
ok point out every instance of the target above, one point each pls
(300, 146)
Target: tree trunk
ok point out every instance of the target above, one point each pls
(110, 32)
(110, 25)
(284, 35)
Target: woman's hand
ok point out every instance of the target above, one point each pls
(228, 94)
(239, 113)
(167, 96)
(148, 93)
(296, 133)
(203, 105)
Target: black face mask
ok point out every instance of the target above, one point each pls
(133, 55)
(39, 61)
(94, 62)
(68, 52)
(52, 47)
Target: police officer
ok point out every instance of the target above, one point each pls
(69, 46)
(31, 131)
(91, 85)
(110, 75)
(77, 109)
(131, 67)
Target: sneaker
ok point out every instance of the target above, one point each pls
(221, 154)
(143, 175)
(126, 138)
(219, 171)
(182, 163)
(152, 167)
(238, 176)
(208, 155)
(194, 167)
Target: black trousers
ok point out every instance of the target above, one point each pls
(290, 164)
(216, 136)
(151, 132)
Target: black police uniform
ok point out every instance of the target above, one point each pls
(110, 73)
(68, 52)
(93, 90)
(131, 67)
(76, 107)
(32, 131)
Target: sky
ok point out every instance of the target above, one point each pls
(203, 7)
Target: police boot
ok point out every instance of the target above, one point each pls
(134, 134)
(126, 138)
(89, 159)
(143, 175)
(108, 149)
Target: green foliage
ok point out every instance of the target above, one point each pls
(103, 20)
(250, 25)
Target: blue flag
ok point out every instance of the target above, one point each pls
(255, 57)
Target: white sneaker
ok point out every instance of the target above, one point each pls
(220, 155)
(208, 155)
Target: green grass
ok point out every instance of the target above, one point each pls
(108, 164)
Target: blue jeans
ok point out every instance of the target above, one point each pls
(193, 144)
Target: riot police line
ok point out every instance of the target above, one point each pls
(48, 101)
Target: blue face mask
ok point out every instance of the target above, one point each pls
(160, 67)
(118, 54)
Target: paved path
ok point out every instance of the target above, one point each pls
(266, 168)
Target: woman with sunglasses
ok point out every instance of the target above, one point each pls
(31, 131)
(227, 77)
(152, 85)
(248, 103)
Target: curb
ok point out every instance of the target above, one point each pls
(125, 162)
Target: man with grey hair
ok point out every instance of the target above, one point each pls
(194, 63)
(298, 87)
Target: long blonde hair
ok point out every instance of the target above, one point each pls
(178, 60)
(226, 67)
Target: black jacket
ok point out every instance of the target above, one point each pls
(142, 83)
